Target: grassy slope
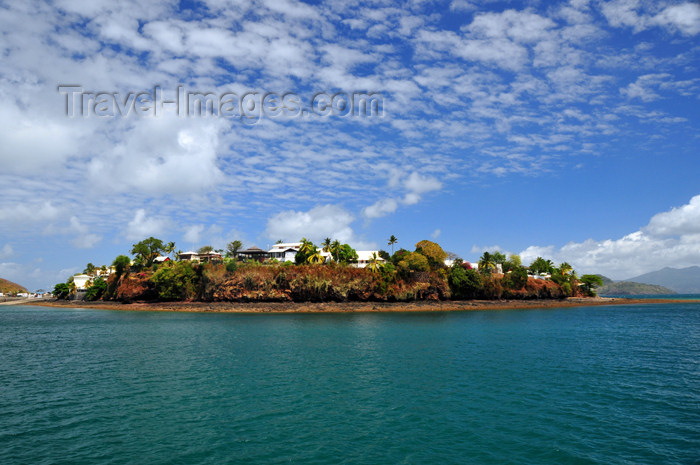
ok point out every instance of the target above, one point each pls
(7, 287)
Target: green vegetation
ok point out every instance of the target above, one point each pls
(147, 250)
(631, 288)
(97, 290)
(325, 273)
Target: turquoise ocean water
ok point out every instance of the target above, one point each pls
(588, 385)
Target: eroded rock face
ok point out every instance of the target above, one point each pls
(134, 287)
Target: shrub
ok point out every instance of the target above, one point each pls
(464, 284)
(61, 290)
(175, 282)
(97, 290)
(515, 279)
(413, 261)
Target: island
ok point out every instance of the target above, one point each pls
(304, 273)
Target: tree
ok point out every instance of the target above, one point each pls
(315, 258)
(175, 281)
(346, 254)
(169, 248)
(96, 290)
(89, 269)
(392, 240)
(398, 256)
(373, 264)
(385, 255)
(464, 284)
(233, 247)
(335, 250)
(413, 261)
(306, 250)
(147, 250)
(121, 264)
(589, 282)
(566, 269)
(205, 249)
(512, 263)
(516, 278)
(498, 258)
(61, 290)
(327, 245)
(486, 263)
(433, 252)
(540, 265)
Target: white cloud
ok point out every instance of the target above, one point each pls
(671, 239)
(380, 208)
(6, 251)
(82, 237)
(193, 234)
(316, 224)
(30, 213)
(435, 234)
(684, 17)
(143, 226)
(415, 184)
(160, 155)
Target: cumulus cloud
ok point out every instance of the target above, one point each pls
(415, 185)
(160, 155)
(684, 17)
(671, 238)
(315, 224)
(30, 213)
(380, 208)
(143, 226)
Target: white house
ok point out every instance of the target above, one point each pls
(188, 256)
(284, 252)
(81, 280)
(364, 257)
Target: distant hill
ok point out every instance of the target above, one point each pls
(7, 287)
(631, 288)
(683, 280)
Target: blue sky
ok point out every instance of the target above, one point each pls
(567, 130)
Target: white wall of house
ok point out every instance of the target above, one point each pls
(81, 280)
(284, 252)
(364, 256)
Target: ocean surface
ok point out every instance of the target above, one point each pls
(587, 385)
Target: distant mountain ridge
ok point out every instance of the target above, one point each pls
(681, 280)
(7, 287)
(611, 287)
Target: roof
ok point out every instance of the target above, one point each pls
(284, 246)
(253, 250)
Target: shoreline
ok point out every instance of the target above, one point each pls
(351, 307)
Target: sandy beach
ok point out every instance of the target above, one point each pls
(350, 307)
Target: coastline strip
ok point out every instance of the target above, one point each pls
(352, 307)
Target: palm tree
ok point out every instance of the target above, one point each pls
(327, 245)
(486, 263)
(565, 269)
(307, 247)
(316, 258)
(335, 250)
(373, 263)
(392, 240)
